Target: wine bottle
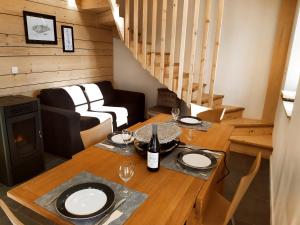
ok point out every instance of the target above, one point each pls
(153, 159)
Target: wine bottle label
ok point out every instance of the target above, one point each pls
(152, 160)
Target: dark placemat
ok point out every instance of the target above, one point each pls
(108, 145)
(134, 200)
(170, 162)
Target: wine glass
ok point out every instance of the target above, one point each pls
(126, 136)
(126, 171)
(175, 113)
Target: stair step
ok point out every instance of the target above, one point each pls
(251, 145)
(218, 99)
(232, 112)
(245, 122)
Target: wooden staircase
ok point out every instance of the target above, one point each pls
(249, 136)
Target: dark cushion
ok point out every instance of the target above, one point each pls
(167, 98)
(88, 122)
(107, 91)
(57, 97)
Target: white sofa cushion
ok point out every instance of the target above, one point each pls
(78, 98)
(95, 97)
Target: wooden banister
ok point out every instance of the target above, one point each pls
(163, 41)
(153, 39)
(182, 47)
(136, 27)
(204, 50)
(173, 44)
(193, 51)
(144, 36)
(127, 22)
(216, 52)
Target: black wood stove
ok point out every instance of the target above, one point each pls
(21, 144)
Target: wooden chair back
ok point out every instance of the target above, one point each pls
(212, 115)
(13, 219)
(96, 134)
(242, 188)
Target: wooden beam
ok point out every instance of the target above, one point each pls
(216, 52)
(153, 39)
(127, 23)
(280, 51)
(204, 50)
(163, 41)
(182, 46)
(144, 36)
(173, 44)
(136, 27)
(195, 34)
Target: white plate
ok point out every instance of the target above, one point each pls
(86, 201)
(189, 120)
(196, 160)
(119, 140)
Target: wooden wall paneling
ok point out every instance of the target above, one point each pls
(173, 44)
(182, 47)
(216, 52)
(163, 40)
(204, 50)
(16, 7)
(195, 33)
(153, 38)
(15, 25)
(145, 32)
(280, 51)
(43, 66)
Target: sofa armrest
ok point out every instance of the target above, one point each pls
(129, 96)
(61, 130)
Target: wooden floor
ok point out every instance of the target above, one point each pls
(253, 210)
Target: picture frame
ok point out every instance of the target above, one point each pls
(67, 38)
(40, 28)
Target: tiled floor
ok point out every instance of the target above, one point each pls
(253, 210)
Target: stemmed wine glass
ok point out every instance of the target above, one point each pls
(126, 136)
(126, 171)
(175, 113)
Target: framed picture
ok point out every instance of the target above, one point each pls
(39, 28)
(67, 38)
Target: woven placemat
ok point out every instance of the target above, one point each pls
(134, 200)
(170, 162)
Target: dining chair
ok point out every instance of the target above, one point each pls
(219, 210)
(13, 219)
(96, 134)
(212, 115)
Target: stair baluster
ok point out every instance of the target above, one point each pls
(144, 36)
(163, 41)
(127, 23)
(182, 47)
(173, 45)
(136, 27)
(204, 51)
(195, 35)
(216, 52)
(153, 39)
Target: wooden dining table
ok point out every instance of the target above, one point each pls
(171, 194)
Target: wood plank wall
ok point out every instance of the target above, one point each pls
(44, 66)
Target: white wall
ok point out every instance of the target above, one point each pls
(285, 167)
(245, 54)
(129, 74)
